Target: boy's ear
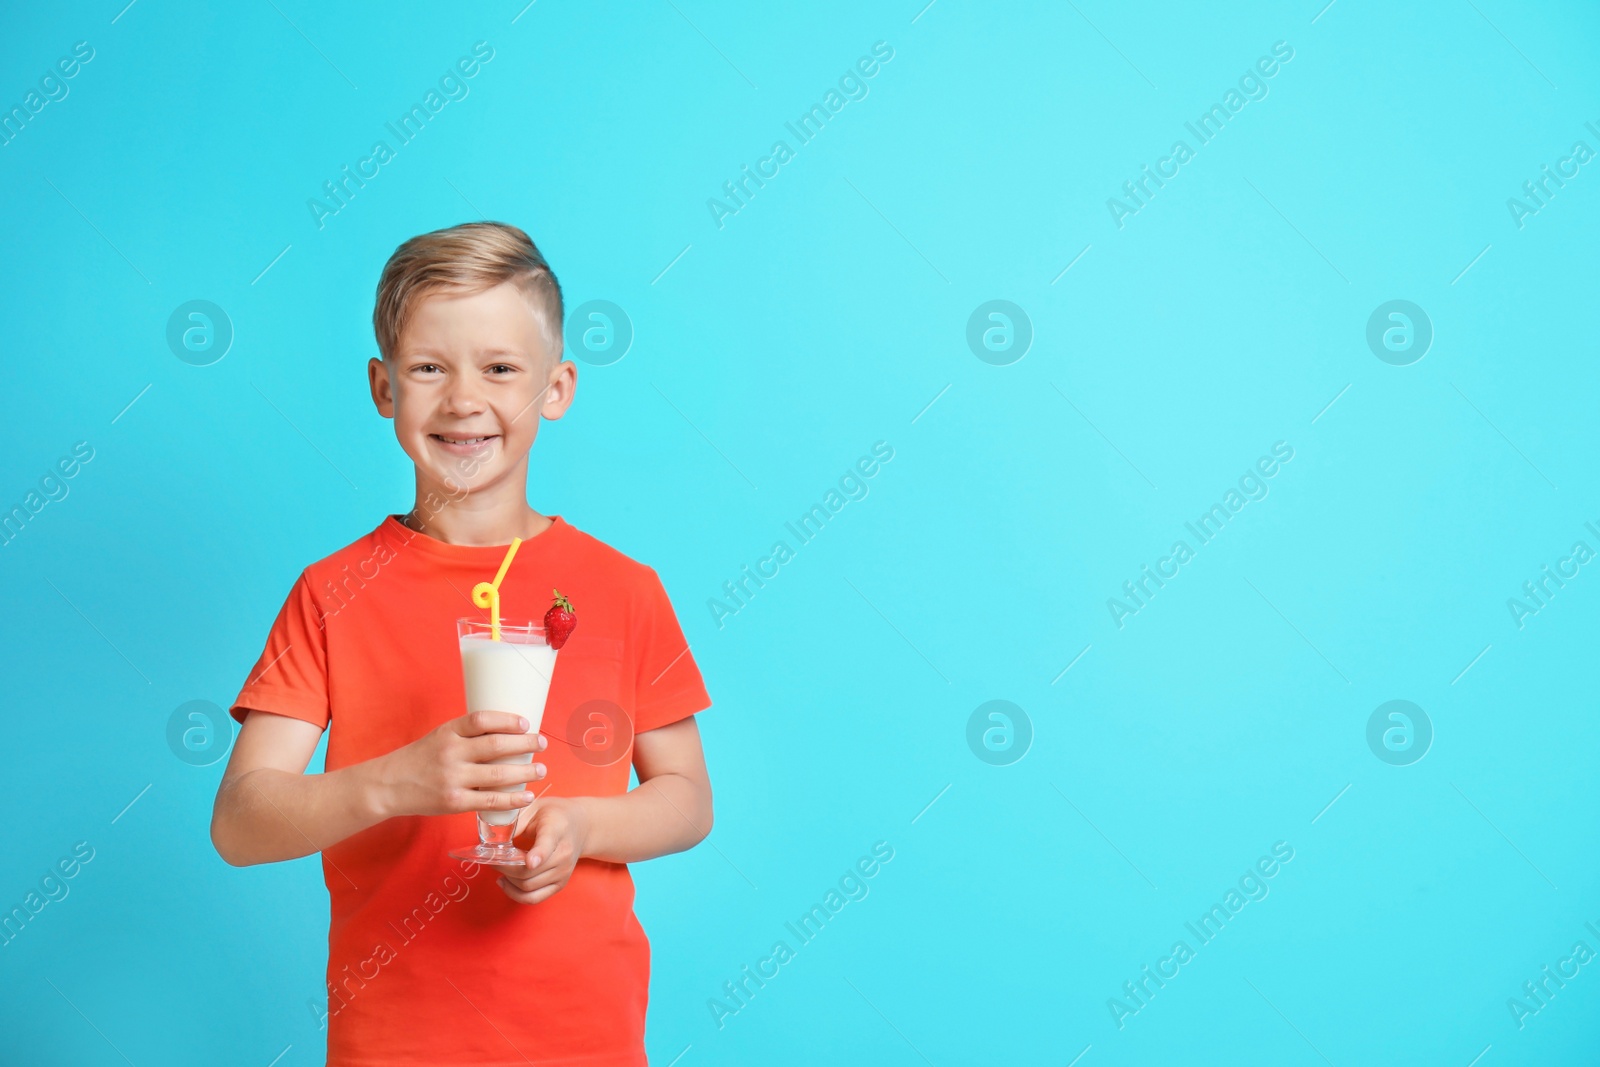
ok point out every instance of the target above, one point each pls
(382, 394)
(558, 397)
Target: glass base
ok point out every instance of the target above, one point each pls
(494, 847)
(506, 855)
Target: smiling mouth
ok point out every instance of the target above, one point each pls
(459, 443)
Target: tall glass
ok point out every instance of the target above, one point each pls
(511, 675)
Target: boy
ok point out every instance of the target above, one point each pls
(428, 961)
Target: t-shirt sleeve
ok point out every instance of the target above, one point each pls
(291, 677)
(668, 686)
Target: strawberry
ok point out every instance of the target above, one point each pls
(559, 621)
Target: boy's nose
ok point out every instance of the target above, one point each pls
(464, 398)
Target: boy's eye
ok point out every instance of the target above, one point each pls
(503, 367)
(426, 367)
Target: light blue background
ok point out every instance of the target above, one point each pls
(1224, 316)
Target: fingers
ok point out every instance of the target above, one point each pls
(477, 723)
(497, 775)
(527, 886)
(535, 896)
(533, 875)
(524, 878)
(492, 800)
(485, 747)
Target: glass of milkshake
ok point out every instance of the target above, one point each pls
(511, 674)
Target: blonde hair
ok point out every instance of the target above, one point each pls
(463, 260)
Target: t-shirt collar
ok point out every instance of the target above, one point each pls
(399, 534)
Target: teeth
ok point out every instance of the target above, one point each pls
(461, 440)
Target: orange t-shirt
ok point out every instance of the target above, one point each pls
(429, 962)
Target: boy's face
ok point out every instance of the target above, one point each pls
(468, 383)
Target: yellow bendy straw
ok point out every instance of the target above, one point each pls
(487, 594)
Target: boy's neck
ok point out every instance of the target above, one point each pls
(483, 517)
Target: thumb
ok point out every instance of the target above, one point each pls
(540, 849)
(525, 819)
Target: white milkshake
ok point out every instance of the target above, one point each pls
(510, 675)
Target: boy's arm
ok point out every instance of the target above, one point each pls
(669, 811)
(269, 809)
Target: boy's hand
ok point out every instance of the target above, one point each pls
(447, 770)
(560, 830)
